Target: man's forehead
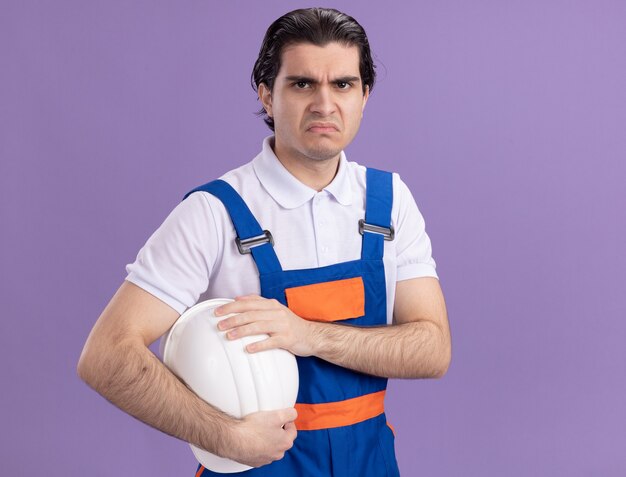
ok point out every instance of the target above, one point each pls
(307, 59)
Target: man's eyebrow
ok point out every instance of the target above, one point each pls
(298, 79)
(306, 79)
(348, 79)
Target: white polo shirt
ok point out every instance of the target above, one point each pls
(193, 257)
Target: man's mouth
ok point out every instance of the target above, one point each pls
(320, 127)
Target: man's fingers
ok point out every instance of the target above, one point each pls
(248, 297)
(250, 326)
(264, 345)
(246, 304)
(288, 415)
(244, 319)
(291, 430)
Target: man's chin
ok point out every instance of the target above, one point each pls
(323, 150)
(322, 154)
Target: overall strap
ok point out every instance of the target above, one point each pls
(250, 237)
(376, 228)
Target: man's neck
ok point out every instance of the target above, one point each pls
(313, 173)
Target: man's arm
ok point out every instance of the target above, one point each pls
(117, 363)
(417, 345)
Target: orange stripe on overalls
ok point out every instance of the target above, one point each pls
(327, 415)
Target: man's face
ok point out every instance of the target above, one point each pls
(317, 102)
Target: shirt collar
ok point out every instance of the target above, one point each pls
(288, 191)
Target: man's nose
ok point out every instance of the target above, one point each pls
(323, 102)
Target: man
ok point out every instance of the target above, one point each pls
(350, 258)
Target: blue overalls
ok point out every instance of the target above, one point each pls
(342, 429)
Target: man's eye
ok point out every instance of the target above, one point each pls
(301, 84)
(343, 85)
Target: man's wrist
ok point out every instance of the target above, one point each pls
(221, 437)
(316, 336)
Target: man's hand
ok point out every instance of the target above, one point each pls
(258, 315)
(417, 345)
(261, 437)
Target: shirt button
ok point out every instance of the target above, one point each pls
(324, 249)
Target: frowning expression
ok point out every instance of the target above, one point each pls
(317, 100)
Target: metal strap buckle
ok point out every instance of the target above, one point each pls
(387, 232)
(246, 245)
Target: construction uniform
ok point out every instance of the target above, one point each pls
(342, 430)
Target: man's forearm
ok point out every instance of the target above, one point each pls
(410, 350)
(133, 379)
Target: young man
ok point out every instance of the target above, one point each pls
(349, 285)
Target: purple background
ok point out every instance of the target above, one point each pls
(506, 119)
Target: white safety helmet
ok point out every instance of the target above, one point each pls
(224, 374)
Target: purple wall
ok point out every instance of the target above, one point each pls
(506, 119)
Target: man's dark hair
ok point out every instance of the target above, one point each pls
(318, 26)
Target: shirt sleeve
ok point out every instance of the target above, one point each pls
(175, 263)
(413, 248)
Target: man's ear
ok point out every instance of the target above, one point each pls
(366, 96)
(265, 96)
